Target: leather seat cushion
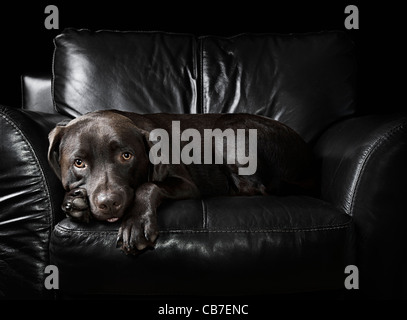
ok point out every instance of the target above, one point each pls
(225, 245)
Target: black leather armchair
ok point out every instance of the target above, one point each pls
(223, 245)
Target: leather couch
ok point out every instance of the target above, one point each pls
(241, 246)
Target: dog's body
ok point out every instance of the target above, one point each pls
(102, 159)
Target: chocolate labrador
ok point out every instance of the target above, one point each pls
(117, 165)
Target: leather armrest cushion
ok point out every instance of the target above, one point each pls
(360, 157)
(30, 198)
(364, 173)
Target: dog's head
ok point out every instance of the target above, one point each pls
(105, 154)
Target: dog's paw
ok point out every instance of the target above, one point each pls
(137, 232)
(76, 205)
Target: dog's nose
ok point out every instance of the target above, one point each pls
(108, 202)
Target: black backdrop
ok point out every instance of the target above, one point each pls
(27, 46)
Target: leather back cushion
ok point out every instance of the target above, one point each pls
(36, 93)
(142, 72)
(306, 81)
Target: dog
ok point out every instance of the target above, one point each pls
(105, 162)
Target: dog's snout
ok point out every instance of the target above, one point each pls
(108, 202)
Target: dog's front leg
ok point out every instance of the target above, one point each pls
(139, 228)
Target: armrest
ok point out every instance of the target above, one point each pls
(364, 173)
(30, 198)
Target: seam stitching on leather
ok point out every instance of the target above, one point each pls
(204, 215)
(201, 50)
(310, 229)
(360, 169)
(53, 76)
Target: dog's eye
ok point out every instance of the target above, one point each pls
(79, 163)
(127, 155)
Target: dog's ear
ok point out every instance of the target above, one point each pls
(143, 127)
(54, 138)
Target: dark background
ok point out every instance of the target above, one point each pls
(27, 46)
